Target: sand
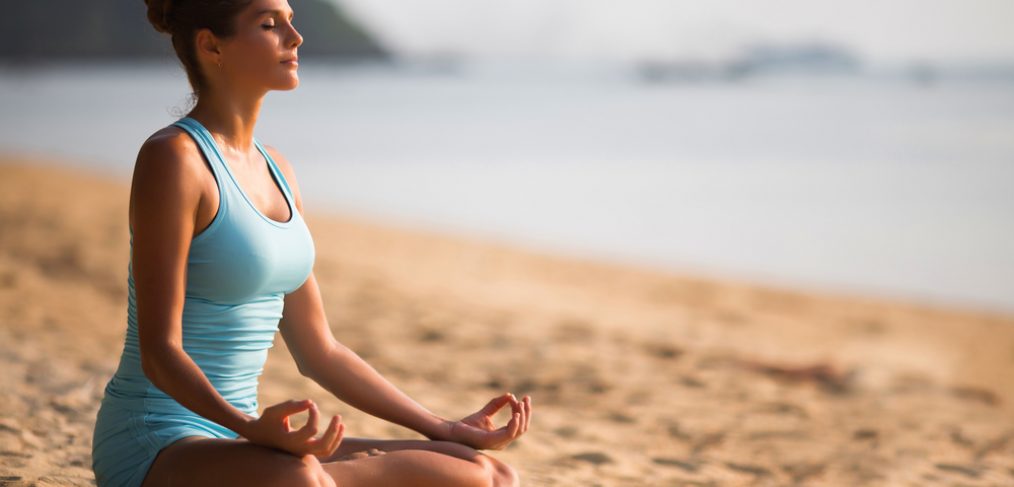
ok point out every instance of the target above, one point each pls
(639, 377)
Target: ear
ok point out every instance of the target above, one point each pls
(208, 46)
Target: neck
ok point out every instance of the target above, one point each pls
(230, 118)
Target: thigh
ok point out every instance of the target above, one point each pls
(199, 461)
(411, 468)
(416, 462)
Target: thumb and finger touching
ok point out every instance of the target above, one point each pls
(517, 425)
(495, 404)
(304, 435)
(309, 430)
(327, 442)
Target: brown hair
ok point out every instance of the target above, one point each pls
(181, 19)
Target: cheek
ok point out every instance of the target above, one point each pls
(258, 52)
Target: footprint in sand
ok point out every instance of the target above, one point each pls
(803, 471)
(688, 466)
(9, 426)
(783, 408)
(431, 335)
(594, 457)
(755, 470)
(691, 382)
(664, 351)
(622, 418)
(676, 432)
(978, 394)
(966, 470)
(865, 434)
(566, 432)
(707, 441)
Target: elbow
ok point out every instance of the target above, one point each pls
(149, 365)
(312, 368)
(152, 360)
(305, 370)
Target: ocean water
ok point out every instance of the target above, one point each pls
(867, 185)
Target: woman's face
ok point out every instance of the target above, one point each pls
(263, 50)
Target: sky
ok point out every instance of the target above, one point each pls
(881, 31)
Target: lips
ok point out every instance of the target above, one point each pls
(292, 60)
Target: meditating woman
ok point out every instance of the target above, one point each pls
(221, 259)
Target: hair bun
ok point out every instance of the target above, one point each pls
(158, 14)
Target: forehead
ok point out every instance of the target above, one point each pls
(258, 8)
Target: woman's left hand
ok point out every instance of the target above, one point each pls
(478, 431)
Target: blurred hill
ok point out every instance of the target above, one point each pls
(44, 31)
(760, 58)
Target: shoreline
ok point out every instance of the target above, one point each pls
(639, 376)
(777, 285)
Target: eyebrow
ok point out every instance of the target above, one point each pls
(273, 11)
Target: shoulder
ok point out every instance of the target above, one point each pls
(287, 171)
(170, 150)
(168, 164)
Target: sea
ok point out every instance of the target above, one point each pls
(865, 184)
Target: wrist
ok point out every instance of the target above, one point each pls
(242, 424)
(439, 430)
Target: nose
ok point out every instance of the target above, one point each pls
(297, 39)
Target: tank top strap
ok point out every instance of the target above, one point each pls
(207, 146)
(202, 137)
(277, 172)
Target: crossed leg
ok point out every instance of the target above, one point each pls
(440, 460)
(199, 461)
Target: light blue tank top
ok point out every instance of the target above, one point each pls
(238, 270)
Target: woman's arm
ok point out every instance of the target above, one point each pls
(165, 196)
(339, 370)
(335, 367)
(342, 372)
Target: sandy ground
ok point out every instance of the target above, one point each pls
(638, 377)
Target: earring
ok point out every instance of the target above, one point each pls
(220, 64)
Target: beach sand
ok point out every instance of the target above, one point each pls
(639, 377)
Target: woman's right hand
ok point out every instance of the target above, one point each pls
(272, 429)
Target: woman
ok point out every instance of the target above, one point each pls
(220, 259)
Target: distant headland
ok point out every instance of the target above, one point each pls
(109, 30)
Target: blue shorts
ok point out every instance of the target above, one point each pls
(126, 442)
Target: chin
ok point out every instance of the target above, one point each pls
(287, 85)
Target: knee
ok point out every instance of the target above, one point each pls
(505, 476)
(311, 474)
(500, 474)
